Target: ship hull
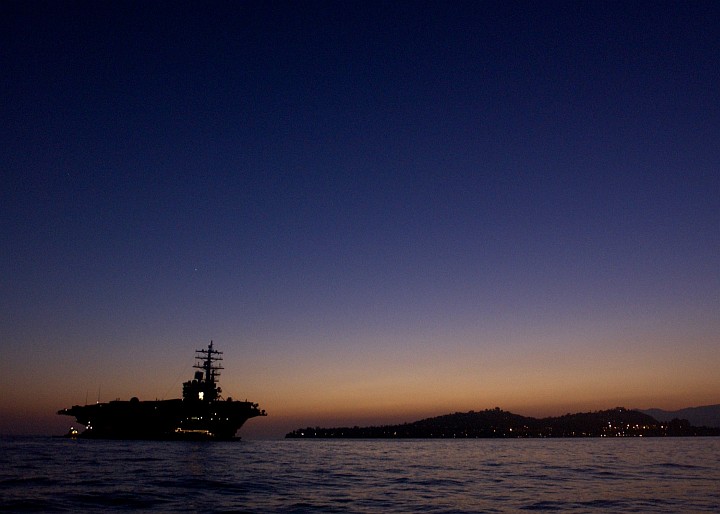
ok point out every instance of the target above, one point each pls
(163, 419)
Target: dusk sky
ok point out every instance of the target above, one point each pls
(379, 211)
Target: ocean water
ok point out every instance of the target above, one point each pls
(480, 475)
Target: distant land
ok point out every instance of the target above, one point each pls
(497, 423)
(704, 416)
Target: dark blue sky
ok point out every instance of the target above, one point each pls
(391, 190)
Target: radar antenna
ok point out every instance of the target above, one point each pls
(207, 361)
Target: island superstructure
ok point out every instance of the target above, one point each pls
(202, 413)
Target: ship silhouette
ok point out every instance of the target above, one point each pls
(202, 413)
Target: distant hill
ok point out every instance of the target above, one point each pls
(705, 416)
(497, 423)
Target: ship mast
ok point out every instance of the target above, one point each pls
(207, 362)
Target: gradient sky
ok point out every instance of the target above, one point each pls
(379, 211)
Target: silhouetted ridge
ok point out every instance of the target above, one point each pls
(704, 415)
(618, 422)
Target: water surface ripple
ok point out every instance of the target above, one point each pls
(448, 476)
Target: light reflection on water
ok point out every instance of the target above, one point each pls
(573, 475)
